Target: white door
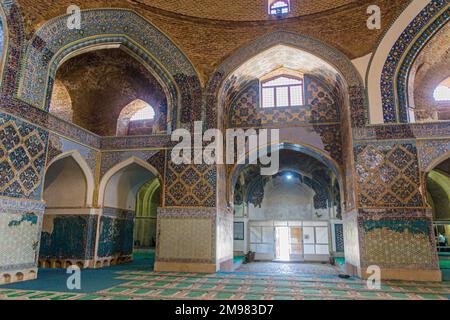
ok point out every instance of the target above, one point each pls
(282, 244)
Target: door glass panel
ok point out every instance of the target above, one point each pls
(296, 243)
(267, 235)
(255, 234)
(282, 243)
(308, 235)
(322, 235)
(322, 249)
(309, 249)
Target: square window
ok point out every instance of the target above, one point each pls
(282, 91)
(268, 98)
(296, 96)
(283, 97)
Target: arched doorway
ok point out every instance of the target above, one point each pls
(438, 192)
(139, 118)
(68, 224)
(298, 87)
(292, 216)
(147, 203)
(128, 198)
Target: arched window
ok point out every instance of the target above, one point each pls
(146, 113)
(442, 92)
(282, 91)
(136, 116)
(279, 7)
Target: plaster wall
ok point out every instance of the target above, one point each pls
(65, 185)
(122, 188)
(287, 201)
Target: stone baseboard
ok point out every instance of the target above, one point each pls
(185, 267)
(14, 276)
(111, 261)
(410, 275)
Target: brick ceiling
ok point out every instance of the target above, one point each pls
(227, 10)
(209, 31)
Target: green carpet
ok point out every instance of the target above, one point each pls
(237, 260)
(92, 280)
(444, 263)
(138, 281)
(143, 285)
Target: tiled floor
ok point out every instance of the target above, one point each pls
(267, 281)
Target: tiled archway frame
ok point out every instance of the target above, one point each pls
(352, 79)
(235, 171)
(54, 41)
(394, 79)
(14, 37)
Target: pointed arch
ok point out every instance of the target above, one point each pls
(294, 146)
(3, 42)
(53, 43)
(84, 166)
(435, 162)
(117, 168)
(14, 31)
(388, 70)
(349, 75)
(128, 112)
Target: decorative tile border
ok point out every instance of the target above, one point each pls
(48, 121)
(156, 158)
(14, 46)
(17, 206)
(396, 68)
(403, 131)
(136, 142)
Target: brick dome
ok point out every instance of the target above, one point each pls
(243, 10)
(230, 10)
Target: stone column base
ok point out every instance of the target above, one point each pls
(64, 263)
(20, 222)
(14, 276)
(409, 275)
(111, 261)
(186, 240)
(185, 267)
(227, 265)
(400, 242)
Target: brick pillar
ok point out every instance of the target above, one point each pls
(401, 242)
(20, 231)
(22, 163)
(392, 228)
(195, 230)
